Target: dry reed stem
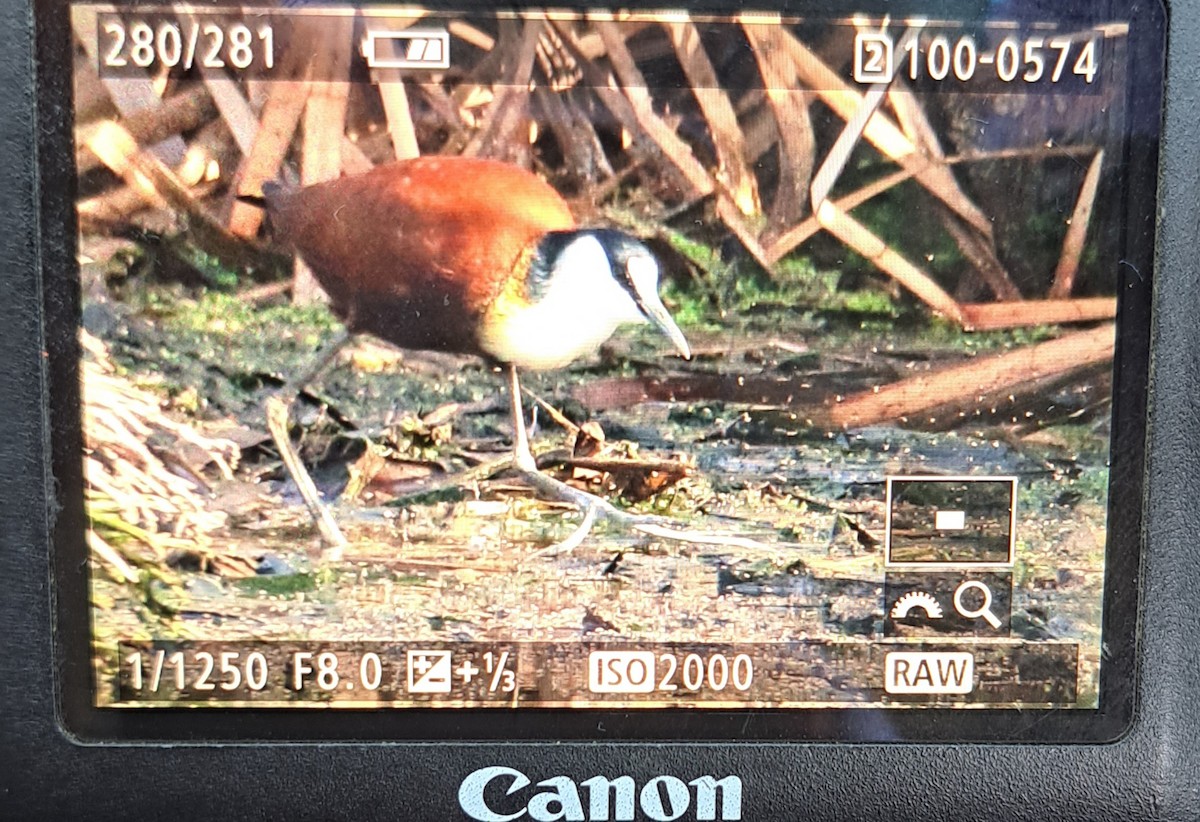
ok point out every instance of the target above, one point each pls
(136, 488)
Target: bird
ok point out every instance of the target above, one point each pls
(471, 256)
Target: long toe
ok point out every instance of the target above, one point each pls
(648, 525)
(551, 488)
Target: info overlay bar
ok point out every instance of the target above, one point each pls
(594, 675)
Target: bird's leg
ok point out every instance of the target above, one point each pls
(526, 466)
(594, 507)
(522, 455)
(333, 541)
(296, 385)
(278, 408)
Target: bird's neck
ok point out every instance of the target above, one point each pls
(565, 304)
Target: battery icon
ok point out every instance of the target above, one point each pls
(408, 49)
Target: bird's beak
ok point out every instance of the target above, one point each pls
(657, 313)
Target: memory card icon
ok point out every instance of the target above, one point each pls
(429, 672)
(873, 58)
(407, 49)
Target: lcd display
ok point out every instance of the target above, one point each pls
(813, 321)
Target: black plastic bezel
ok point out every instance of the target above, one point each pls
(1152, 772)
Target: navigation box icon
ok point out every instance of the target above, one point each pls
(950, 522)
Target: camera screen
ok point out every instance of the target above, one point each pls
(811, 324)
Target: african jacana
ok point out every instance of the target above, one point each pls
(472, 256)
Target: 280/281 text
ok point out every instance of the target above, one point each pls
(160, 41)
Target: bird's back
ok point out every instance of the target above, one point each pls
(414, 251)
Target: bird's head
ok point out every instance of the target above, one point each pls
(612, 276)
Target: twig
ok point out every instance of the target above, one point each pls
(109, 555)
(396, 109)
(800, 232)
(793, 124)
(277, 125)
(989, 316)
(554, 413)
(718, 112)
(149, 126)
(1072, 250)
(613, 465)
(331, 535)
(265, 292)
(882, 132)
(861, 239)
(977, 378)
(323, 127)
(160, 186)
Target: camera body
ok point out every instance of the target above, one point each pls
(689, 765)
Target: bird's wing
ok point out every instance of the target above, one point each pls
(447, 225)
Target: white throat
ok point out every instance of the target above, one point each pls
(581, 308)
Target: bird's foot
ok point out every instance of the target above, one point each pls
(592, 506)
(573, 541)
(595, 508)
(551, 488)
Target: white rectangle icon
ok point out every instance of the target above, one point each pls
(950, 520)
(929, 672)
(621, 672)
(408, 49)
(429, 672)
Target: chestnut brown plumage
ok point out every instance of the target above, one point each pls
(471, 256)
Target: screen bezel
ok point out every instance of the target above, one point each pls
(80, 718)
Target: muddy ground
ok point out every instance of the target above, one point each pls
(446, 547)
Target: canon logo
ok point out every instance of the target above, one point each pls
(663, 798)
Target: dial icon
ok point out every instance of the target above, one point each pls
(917, 599)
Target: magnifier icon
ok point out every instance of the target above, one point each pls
(985, 606)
